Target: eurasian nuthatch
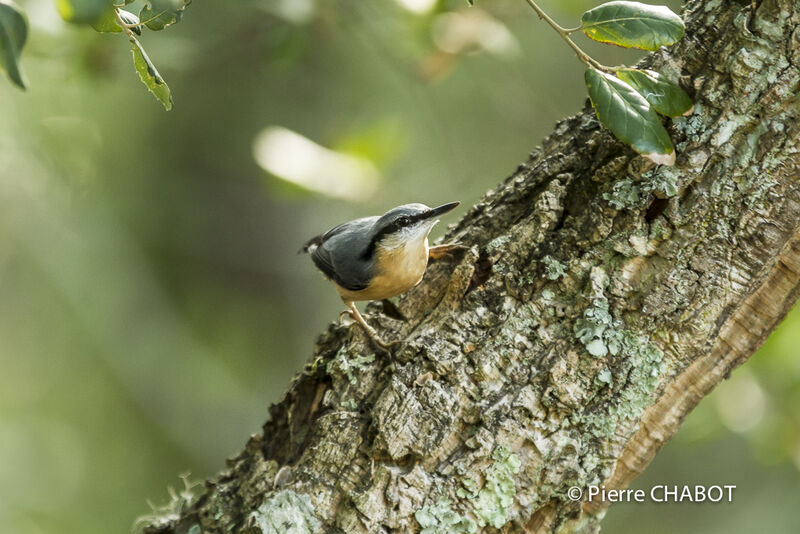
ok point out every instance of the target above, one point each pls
(378, 257)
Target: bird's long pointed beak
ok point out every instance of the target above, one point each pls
(439, 210)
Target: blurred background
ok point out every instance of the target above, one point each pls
(151, 301)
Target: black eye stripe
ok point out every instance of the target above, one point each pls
(393, 226)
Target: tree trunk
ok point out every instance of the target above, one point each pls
(601, 299)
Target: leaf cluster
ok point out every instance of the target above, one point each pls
(105, 16)
(109, 16)
(628, 101)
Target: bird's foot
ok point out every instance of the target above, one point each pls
(371, 333)
(386, 346)
(439, 251)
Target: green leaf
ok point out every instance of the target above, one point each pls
(150, 76)
(158, 14)
(83, 11)
(13, 33)
(633, 25)
(629, 116)
(107, 23)
(665, 97)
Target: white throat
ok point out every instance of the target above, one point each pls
(409, 236)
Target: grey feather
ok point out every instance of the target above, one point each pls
(340, 253)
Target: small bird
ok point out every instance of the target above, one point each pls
(374, 258)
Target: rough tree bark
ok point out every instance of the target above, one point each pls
(601, 299)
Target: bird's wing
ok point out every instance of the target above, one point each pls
(317, 240)
(338, 254)
(322, 259)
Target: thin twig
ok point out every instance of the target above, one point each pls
(127, 29)
(564, 33)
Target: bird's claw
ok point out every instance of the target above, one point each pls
(380, 343)
(386, 346)
(371, 333)
(439, 251)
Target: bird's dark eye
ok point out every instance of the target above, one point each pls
(403, 221)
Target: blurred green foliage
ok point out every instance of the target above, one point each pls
(151, 301)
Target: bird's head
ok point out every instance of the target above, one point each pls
(407, 224)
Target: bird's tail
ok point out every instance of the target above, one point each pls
(311, 245)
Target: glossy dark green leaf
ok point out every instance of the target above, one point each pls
(83, 11)
(150, 76)
(158, 14)
(629, 116)
(633, 25)
(107, 23)
(664, 96)
(13, 33)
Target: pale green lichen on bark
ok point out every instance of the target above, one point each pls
(603, 377)
(470, 489)
(662, 179)
(595, 330)
(627, 194)
(553, 269)
(603, 335)
(493, 501)
(645, 362)
(658, 229)
(286, 513)
(442, 519)
(346, 365)
(497, 243)
(490, 503)
(624, 194)
(693, 125)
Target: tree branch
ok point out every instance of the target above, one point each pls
(601, 299)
